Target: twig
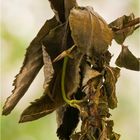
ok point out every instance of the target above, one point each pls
(129, 24)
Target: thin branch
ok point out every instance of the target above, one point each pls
(129, 24)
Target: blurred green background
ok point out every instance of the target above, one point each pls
(20, 21)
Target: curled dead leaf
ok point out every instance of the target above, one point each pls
(92, 36)
(62, 8)
(127, 60)
(89, 74)
(41, 107)
(72, 80)
(118, 25)
(111, 76)
(54, 48)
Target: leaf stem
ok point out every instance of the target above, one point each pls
(73, 103)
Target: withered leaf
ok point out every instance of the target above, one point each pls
(69, 121)
(59, 9)
(89, 74)
(96, 97)
(93, 35)
(38, 109)
(127, 60)
(52, 98)
(54, 48)
(32, 64)
(91, 83)
(53, 42)
(72, 78)
(103, 104)
(42, 106)
(118, 25)
(111, 77)
(48, 68)
(62, 8)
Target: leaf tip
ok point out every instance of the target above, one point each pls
(6, 110)
(25, 118)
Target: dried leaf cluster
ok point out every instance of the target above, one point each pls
(73, 48)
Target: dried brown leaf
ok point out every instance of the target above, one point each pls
(69, 121)
(44, 105)
(89, 74)
(48, 68)
(118, 25)
(127, 60)
(93, 35)
(111, 77)
(39, 108)
(59, 9)
(32, 64)
(72, 80)
(103, 104)
(54, 48)
(62, 8)
(53, 41)
(52, 98)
